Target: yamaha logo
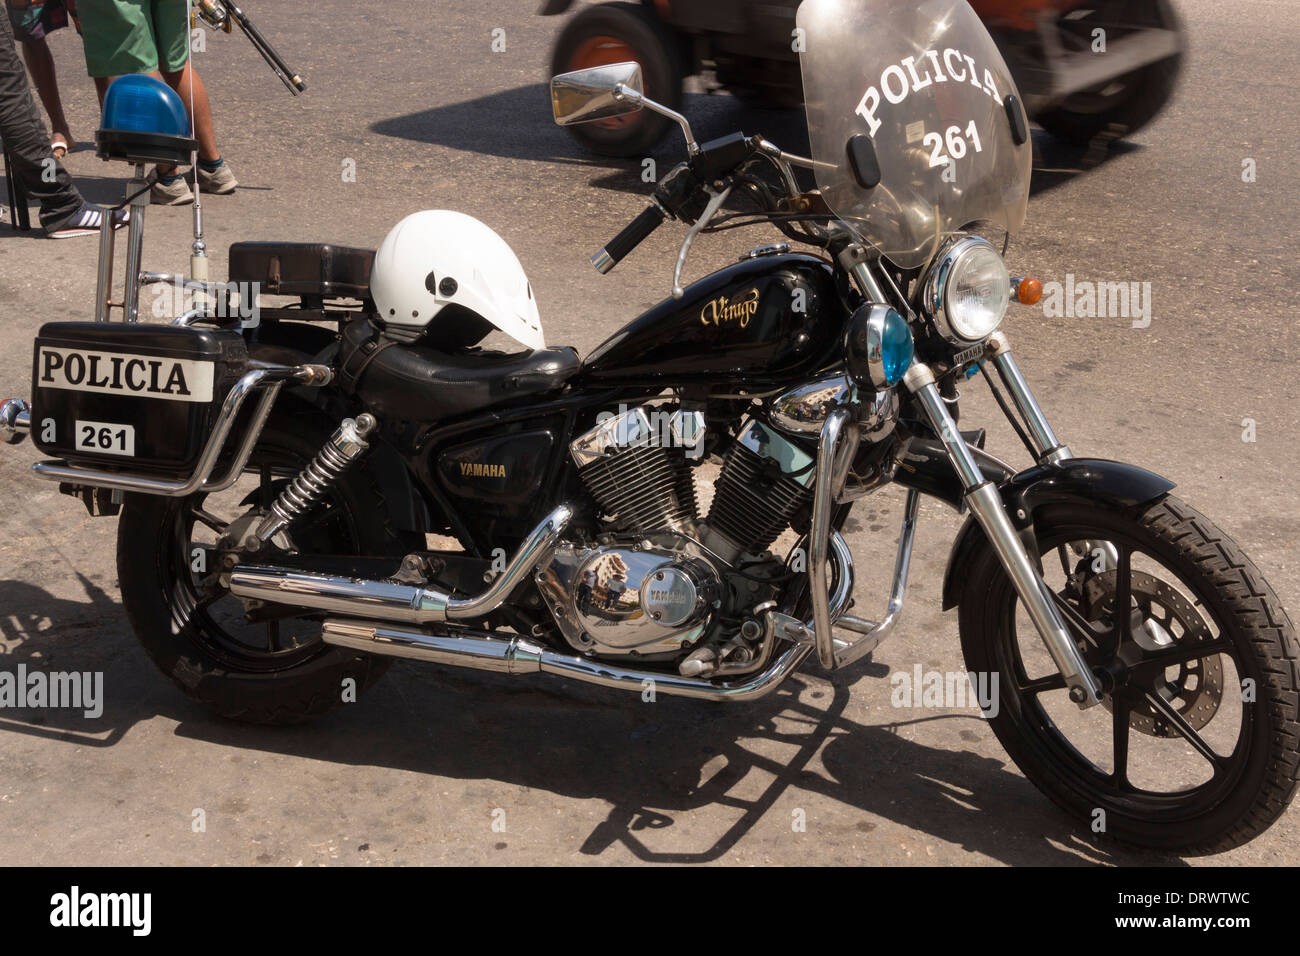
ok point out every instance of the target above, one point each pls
(113, 373)
(477, 469)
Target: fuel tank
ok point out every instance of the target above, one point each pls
(766, 320)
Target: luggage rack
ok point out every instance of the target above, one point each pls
(264, 378)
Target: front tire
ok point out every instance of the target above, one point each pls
(278, 672)
(1206, 638)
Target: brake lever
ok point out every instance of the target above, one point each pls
(716, 199)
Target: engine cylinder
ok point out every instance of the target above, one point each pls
(635, 465)
(765, 481)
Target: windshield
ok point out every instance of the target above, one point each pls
(912, 92)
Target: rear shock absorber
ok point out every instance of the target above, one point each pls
(345, 447)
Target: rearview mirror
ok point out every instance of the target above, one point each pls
(586, 95)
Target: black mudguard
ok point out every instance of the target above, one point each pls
(1094, 481)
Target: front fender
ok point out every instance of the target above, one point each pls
(1088, 481)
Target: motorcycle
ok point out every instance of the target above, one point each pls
(277, 480)
(1085, 68)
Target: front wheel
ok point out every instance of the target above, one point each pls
(1197, 745)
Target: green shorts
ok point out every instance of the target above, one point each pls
(134, 36)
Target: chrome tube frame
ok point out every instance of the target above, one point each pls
(268, 380)
(986, 505)
(104, 277)
(835, 450)
(874, 632)
(134, 245)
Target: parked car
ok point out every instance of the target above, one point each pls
(1083, 67)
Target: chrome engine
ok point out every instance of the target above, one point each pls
(661, 580)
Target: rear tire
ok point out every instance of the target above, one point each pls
(203, 655)
(615, 32)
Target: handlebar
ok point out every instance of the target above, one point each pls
(631, 236)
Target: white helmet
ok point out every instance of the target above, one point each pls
(437, 259)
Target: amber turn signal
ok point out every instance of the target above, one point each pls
(1028, 291)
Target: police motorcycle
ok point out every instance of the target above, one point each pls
(669, 511)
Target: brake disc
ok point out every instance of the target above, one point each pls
(1169, 618)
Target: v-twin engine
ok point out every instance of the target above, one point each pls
(658, 581)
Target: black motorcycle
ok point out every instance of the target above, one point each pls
(277, 483)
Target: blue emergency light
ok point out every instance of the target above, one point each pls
(144, 121)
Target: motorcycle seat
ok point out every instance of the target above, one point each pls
(415, 382)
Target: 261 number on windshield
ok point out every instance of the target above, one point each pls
(955, 142)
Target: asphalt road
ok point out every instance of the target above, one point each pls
(418, 770)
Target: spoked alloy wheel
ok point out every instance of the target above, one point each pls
(173, 553)
(1197, 746)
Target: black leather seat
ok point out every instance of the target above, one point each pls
(418, 383)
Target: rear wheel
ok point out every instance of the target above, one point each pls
(1197, 745)
(274, 671)
(616, 33)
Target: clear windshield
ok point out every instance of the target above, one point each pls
(922, 85)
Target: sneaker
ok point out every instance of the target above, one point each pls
(174, 193)
(87, 221)
(221, 181)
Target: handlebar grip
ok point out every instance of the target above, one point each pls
(633, 234)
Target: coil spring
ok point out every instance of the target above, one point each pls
(310, 486)
(346, 445)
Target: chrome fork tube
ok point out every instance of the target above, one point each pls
(986, 505)
(1046, 445)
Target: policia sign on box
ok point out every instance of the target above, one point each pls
(137, 397)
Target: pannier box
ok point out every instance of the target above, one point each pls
(131, 398)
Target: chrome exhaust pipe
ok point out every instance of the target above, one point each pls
(390, 600)
(517, 655)
(15, 421)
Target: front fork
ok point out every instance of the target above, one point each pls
(985, 503)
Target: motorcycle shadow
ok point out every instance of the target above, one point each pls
(672, 771)
(516, 124)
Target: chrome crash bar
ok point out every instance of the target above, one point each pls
(266, 379)
(835, 454)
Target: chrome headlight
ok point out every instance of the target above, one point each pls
(967, 291)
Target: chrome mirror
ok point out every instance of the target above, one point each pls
(596, 93)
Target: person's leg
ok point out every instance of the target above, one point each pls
(26, 141)
(41, 64)
(187, 83)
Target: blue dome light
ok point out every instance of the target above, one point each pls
(144, 121)
(144, 104)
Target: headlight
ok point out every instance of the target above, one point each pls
(878, 347)
(967, 291)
